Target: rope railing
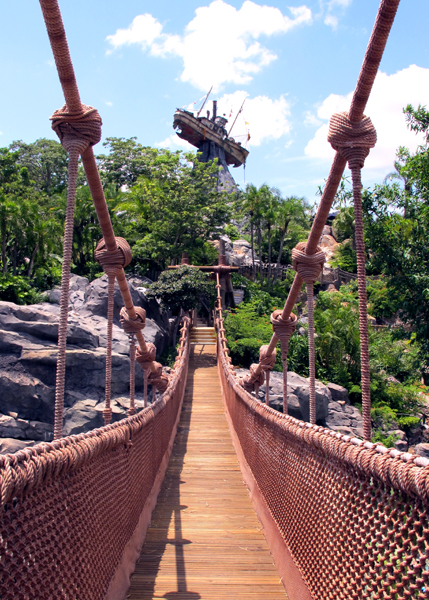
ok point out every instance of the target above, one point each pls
(351, 135)
(345, 519)
(74, 512)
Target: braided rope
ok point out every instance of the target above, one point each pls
(107, 412)
(132, 409)
(353, 141)
(64, 297)
(309, 268)
(283, 329)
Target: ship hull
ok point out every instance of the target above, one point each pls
(198, 130)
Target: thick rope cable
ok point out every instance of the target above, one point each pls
(107, 412)
(83, 122)
(132, 408)
(64, 297)
(353, 141)
(309, 268)
(376, 45)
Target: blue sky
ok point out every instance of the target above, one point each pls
(295, 63)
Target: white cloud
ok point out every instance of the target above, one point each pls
(310, 119)
(108, 103)
(262, 117)
(220, 45)
(332, 9)
(173, 142)
(390, 94)
(331, 21)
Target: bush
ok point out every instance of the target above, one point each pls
(181, 288)
(18, 289)
(345, 257)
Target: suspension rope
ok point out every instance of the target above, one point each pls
(112, 264)
(353, 141)
(383, 24)
(75, 137)
(309, 269)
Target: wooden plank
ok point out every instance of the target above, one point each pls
(205, 541)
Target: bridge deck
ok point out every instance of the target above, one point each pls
(205, 541)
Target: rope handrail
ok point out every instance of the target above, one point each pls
(72, 509)
(346, 518)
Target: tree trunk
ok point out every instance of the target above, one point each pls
(260, 253)
(14, 253)
(253, 250)
(3, 253)
(269, 256)
(31, 264)
(279, 258)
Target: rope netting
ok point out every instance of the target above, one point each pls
(69, 508)
(352, 516)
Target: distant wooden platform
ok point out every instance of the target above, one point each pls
(205, 541)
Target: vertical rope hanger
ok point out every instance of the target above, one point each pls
(75, 134)
(112, 264)
(353, 141)
(131, 326)
(309, 269)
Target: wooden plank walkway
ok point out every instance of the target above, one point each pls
(205, 541)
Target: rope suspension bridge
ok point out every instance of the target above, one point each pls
(342, 517)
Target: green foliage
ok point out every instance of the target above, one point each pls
(181, 288)
(232, 232)
(18, 290)
(397, 222)
(173, 207)
(345, 257)
(387, 441)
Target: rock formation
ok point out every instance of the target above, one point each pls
(28, 338)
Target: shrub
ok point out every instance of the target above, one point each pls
(18, 289)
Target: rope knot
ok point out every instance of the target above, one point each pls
(249, 382)
(130, 325)
(77, 130)
(146, 358)
(283, 328)
(308, 266)
(352, 140)
(158, 378)
(266, 361)
(112, 262)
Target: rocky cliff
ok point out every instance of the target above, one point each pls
(28, 338)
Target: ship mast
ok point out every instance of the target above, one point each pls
(236, 117)
(205, 100)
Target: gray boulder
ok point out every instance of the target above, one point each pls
(422, 450)
(298, 395)
(28, 351)
(338, 415)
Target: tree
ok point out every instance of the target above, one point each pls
(181, 288)
(290, 211)
(46, 161)
(126, 162)
(397, 244)
(176, 209)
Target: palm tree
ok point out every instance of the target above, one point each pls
(400, 174)
(289, 210)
